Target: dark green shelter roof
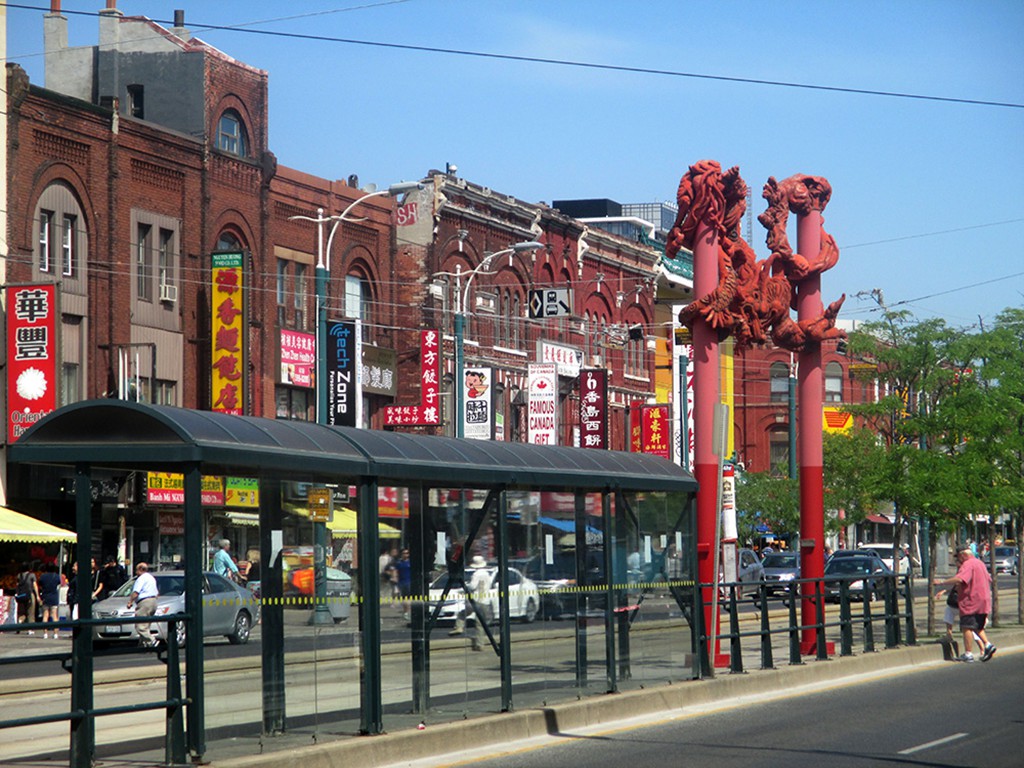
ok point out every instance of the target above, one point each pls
(127, 435)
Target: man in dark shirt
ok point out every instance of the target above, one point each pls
(111, 577)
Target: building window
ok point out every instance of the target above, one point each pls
(357, 302)
(516, 341)
(45, 240)
(231, 136)
(136, 103)
(300, 296)
(779, 375)
(168, 291)
(70, 383)
(293, 403)
(833, 383)
(282, 292)
(143, 263)
(778, 452)
(68, 251)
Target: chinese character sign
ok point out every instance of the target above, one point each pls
(594, 408)
(476, 417)
(228, 344)
(656, 431)
(542, 407)
(342, 364)
(428, 412)
(298, 356)
(31, 356)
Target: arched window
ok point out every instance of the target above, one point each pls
(60, 236)
(231, 135)
(517, 323)
(833, 383)
(779, 376)
(358, 301)
(228, 242)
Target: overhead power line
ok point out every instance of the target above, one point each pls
(568, 62)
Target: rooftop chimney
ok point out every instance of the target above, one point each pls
(179, 25)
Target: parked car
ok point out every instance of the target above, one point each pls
(750, 573)
(229, 609)
(556, 582)
(884, 553)
(859, 571)
(1007, 560)
(523, 596)
(780, 568)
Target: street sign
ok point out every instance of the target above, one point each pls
(550, 302)
(321, 504)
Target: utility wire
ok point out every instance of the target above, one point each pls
(569, 62)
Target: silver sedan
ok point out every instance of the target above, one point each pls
(228, 609)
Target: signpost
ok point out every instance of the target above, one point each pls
(550, 302)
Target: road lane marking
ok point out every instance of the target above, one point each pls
(930, 744)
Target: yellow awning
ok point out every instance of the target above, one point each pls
(345, 523)
(15, 526)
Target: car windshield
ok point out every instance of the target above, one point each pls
(1005, 551)
(849, 566)
(441, 582)
(779, 561)
(166, 584)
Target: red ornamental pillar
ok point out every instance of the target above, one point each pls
(810, 389)
(705, 399)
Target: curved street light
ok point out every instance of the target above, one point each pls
(321, 613)
(323, 268)
(462, 295)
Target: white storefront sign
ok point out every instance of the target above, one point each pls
(542, 407)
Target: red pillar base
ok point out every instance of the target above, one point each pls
(722, 660)
(809, 647)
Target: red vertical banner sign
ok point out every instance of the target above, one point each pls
(594, 408)
(228, 344)
(656, 431)
(428, 412)
(636, 444)
(32, 355)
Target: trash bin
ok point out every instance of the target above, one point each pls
(339, 592)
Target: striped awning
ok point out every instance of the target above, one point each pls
(15, 526)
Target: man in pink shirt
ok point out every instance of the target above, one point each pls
(975, 588)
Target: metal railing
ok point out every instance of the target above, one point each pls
(896, 620)
(81, 715)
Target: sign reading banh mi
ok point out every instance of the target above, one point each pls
(228, 344)
(169, 488)
(31, 355)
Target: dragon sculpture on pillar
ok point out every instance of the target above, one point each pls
(752, 300)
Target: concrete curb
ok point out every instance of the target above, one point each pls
(509, 728)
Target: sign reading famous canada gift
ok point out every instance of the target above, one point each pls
(31, 356)
(542, 406)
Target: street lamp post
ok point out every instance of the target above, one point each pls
(323, 268)
(462, 297)
(322, 614)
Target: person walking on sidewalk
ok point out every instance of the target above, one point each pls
(28, 595)
(49, 592)
(974, 587)
(143, 597)
(223, 565)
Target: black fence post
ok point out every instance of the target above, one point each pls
(767, 660)
(794, 625)
(892, 620)
(175, 752)
(819, 618)
(735, 646)
(845, 621)
(908, 595)
(869, 628)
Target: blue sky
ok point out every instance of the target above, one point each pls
(928, 195)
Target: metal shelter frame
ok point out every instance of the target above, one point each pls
(104, 435)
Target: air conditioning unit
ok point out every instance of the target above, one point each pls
(168, 293)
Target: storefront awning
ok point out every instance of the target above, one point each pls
(15, 526)
(878, 519)
(345, 523)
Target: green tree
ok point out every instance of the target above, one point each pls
(762, 498)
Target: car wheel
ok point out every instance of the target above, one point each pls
(531, 611)
(181, 633)
(243, 625)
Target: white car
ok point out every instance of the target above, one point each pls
(523, 596)
(884, 552)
